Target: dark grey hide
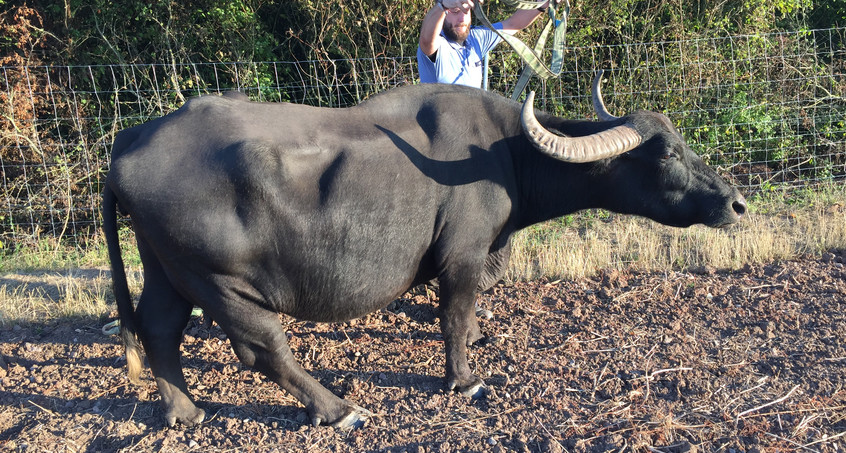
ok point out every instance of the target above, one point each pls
(252, 209)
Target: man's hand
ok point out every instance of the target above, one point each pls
(463, 5)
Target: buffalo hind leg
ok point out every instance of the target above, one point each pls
(259, 340)
(162, 315)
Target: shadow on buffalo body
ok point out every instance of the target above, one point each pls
(454, 172)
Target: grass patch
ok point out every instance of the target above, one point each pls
(781, 224)
(47, 279)
(51, 253)
(47, 295)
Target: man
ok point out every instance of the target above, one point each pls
(451, 51)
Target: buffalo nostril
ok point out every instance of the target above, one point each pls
(739, 206)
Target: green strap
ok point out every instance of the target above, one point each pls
(531, 57)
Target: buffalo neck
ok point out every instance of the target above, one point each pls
(550, 188)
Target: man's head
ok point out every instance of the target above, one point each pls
(457, 24)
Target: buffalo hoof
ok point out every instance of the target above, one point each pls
(473, 390)
(356, 417)
(189, 418)
(483, 313)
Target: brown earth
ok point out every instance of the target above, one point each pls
(746, 361)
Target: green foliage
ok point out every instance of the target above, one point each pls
(122, 31)
(622, 21)
(827, 14)
(103, 31)
(753, 130)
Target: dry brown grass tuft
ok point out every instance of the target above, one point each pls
(42, 296)
(777, 228)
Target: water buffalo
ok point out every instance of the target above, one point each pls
(250, 209)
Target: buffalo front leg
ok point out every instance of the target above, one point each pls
(460, 329)
(260, 342)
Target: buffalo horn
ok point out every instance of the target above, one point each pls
(598, 103)
(589, 148)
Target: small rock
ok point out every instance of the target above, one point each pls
(551, 446)
(827, 257)
(302, 417)
(770, 334)
(32, 348)
(703, 270)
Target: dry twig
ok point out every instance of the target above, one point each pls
(776, 401)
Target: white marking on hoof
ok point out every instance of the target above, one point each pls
(483, 313)
(355, 419)
(475, 391)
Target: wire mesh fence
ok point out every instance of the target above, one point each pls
(767, 110)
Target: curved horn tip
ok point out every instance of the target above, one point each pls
(597, 78)
(596, 97)
(528, 105)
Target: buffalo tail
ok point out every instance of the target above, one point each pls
(126, 312)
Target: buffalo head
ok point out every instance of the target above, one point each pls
(648, 169)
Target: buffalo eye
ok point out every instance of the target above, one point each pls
(670, 153)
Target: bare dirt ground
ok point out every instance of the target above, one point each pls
(747, 361)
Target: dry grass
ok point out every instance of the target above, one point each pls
(778, 227)
(47, 280)
(41, 296)
(35, 296)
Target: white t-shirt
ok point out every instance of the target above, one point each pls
(459, 64)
